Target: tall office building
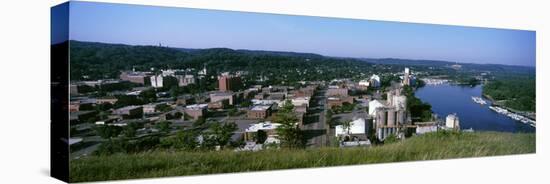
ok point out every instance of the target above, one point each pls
(227, 82)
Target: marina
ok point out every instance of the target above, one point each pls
(514, 116)
(434, 82)
(448, 99)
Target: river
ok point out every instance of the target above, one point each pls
(447, 98)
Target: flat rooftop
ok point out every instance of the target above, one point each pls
(260, 107)
(262, 126)
(196, 106)
(129, 107)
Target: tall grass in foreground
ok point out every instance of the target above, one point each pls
(177, 163)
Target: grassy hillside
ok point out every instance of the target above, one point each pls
(441, 145)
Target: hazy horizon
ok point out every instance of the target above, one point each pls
(332, 37)
(412, 59)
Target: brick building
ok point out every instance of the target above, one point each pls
(218, 96)
(129, 112)
(196, 110)
(227, 82)
(136, 77)
(259, 112)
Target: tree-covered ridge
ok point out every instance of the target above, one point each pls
(99, 60)
(516, 92)
(90, 61)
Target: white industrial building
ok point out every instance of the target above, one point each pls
(373, 105)
(452, 121)
(426, 128)
(364, 83)
(357, 126)
(156, 81)
(185, 80)
(375, 81)
(396, 99)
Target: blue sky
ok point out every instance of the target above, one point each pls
(194, 28)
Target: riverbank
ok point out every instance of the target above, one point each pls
(530, 115)
(455, 99)
(431, 146)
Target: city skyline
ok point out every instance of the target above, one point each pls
(197, 28)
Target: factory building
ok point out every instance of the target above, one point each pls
(452, 122)
(374, 104)
(156, 81)
(396, 99)
(390, 116)
(388, 121)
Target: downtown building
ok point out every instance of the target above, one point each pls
(408, 78)
(136, 77)
(227, 82)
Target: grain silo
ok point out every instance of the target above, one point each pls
(391, 117)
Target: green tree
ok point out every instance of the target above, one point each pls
(232, 112)
(149, 95)
(199, 123)
(103, 106)
(420, 111)
(287, 107)
(176, 91)
(168, 82)
(246, 103)
(110, 147)
(164, 126)
(261, 136)
(346, 125)
(347, 107)
(185, 140)
(391, 139)
(126, 100)
(328, 117)
(107, 132)
(289, 133)
(163, 108)
(220, 134)
(130, 130)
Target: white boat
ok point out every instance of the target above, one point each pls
(479, 100)
(513, 115)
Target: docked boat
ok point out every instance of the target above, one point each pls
(513, 115)
(478, 100)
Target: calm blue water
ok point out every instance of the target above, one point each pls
(447, 99)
